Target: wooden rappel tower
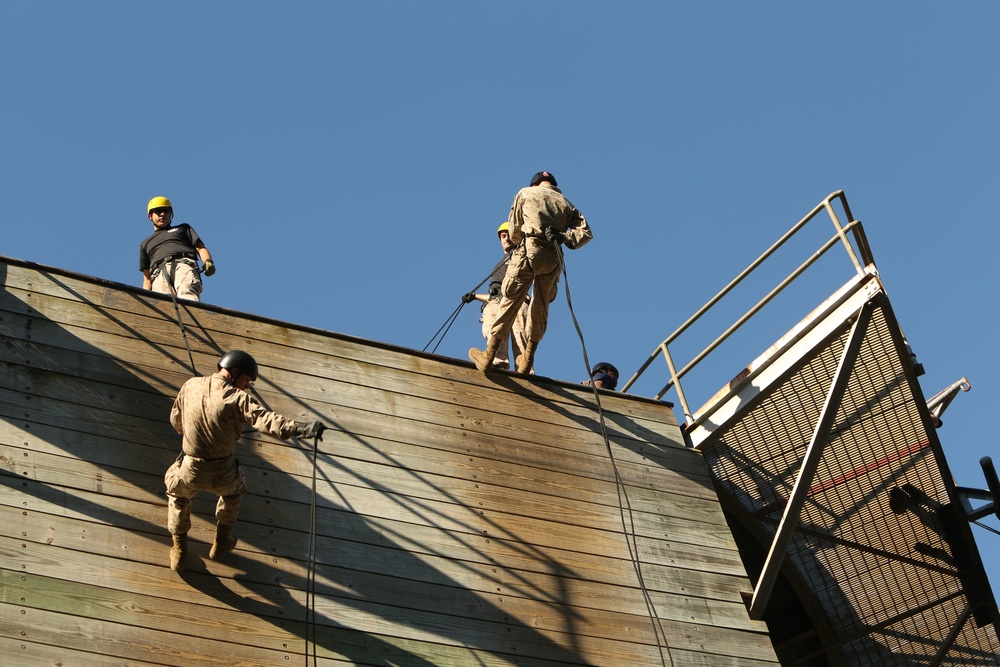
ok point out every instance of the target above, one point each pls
(804, 516)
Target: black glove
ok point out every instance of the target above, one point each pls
(553, 235)
(209, 268)
(310, 430)
(469, 298)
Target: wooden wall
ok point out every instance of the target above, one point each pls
(459, 520)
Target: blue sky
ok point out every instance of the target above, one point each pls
(348, 163)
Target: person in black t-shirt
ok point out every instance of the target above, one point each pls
(169, 258)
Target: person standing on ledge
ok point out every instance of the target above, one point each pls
(491, 306)
(540, 219)
(169, 258)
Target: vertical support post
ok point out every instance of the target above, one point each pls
(843, 237)
(814, 452)
(992, 483)
(688, 418)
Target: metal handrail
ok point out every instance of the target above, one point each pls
(866, 259)
(760, 304)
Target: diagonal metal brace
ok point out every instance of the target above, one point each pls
(814, 452)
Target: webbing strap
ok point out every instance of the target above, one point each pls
(446, 327)
(170, 268)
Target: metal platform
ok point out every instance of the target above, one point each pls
(838, 492)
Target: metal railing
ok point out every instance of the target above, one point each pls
(853, 227)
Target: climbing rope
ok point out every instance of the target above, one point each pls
(311, 567)
(628, 525)
(451, 320)
(310, 604)
(454, 316)
(177, 311)
(985, 527)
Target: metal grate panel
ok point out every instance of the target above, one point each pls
(879, 544)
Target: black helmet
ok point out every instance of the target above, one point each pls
(543, 176)
(606, 373)
(241, 361)
(605, 367)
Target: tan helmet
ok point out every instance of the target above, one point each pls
(158, 202)
(503, 228)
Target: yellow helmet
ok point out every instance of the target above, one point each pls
(158, 202)
(503, 228)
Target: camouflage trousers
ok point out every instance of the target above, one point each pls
(537, 263)
(517, 340)
(188, 476)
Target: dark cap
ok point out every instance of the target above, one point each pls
(543, 176)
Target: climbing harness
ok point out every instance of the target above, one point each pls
(628, 525)
(454, 316)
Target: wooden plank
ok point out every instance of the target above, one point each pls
(683, 658)
(291, 512)
(366, 553)
(713, 517)
(336, 646)
(741, 645)
(116, 607)
(128, 643)
(22, 652)
(49, 595)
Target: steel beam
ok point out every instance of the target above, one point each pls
(814, 452)
(949, 641)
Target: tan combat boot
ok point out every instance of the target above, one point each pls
(484, 359)
(179, 553)
(224, 542)
(526, 360)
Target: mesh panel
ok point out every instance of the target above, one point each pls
(872, 546)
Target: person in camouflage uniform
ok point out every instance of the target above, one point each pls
(540, 219)
(491, 306)
(210, 412)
